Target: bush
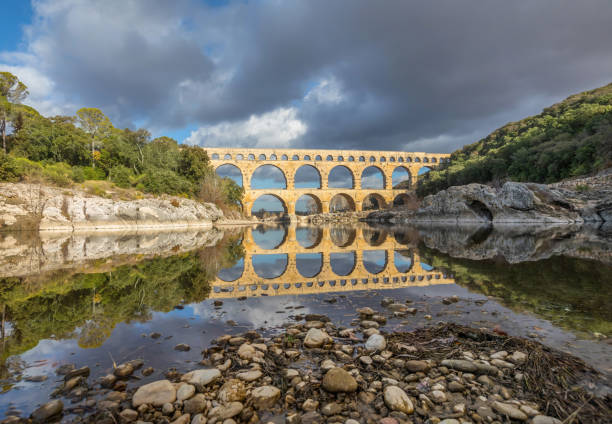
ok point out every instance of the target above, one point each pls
(78, 176)
(122, 176)
(58, 173)
(9, 170)
(94, 173)
(164, 181)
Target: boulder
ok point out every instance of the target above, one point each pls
(156, 394)
(338, 380)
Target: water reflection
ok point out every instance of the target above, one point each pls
(93, 294)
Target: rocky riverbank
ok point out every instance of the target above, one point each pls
(316, 372)
(512, 203)
(37, 207)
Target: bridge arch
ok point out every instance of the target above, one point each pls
(232, 273)
(400, 175)
(373, 201)
(423, 170)
(372, 261)
(309, 265)
(374, 237)
(264, 202)
(269, 266)
(229, 170)
(342, 202)
(372, 177)
(343, 263)
(403, 260)
(308, 204)
(401, 199)
(272, 176)
(305, 177)
(309, 237)
(340, 176)
(342, 236)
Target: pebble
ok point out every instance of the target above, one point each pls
(233, 390)
(375, 343)
(543, 419)
(182, 347)
(249, 376)
(510, 411)
(397, 400)
(417, 366)
(316, 338)
(184, 392)
(48, 410)
(339, 380)
(195, 405)
(156, 394)
(265, 397)
(202, 377)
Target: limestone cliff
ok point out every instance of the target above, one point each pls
(512, 203)
(34, 206)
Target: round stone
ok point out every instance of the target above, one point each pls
(397, 400)
(338, 380)
(156, 394)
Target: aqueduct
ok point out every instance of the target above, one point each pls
(292, 281)
(289, 161)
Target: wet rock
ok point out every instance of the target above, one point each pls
(124, 370)
(183, 419)
(195, 405)
(339, 380)
(365, 360)
(316, 338)
(310, 405)
(218, 303)
(201, 377)
(248, 352)
(509, 410)
(249, 376)
(224, 412)
(455, 386)
(184, 392)
(438, 396)
(388, 420)
(79, 372)
(529, 410)
(312, 417)
(47, 411)
(517, 357)
(501, 364)
(450, 421)
(499, 355)
(128, 415)
(397, 400)
(543, 419)
(35, 378)
(155, 336)
(148, 371)
(417, 366)
(182, 347)
(366, 311)
(375, 343)
(331, 408)
(232, 390)
(156, 394)
(167, 408)
(460, 365)
(198, 419)
(265, 397)
(64, 369)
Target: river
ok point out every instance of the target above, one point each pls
(98, 299)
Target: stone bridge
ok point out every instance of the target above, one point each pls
(289, 161)
(356, 241)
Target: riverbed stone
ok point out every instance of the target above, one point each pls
(375, 342)
(460, 365)
(265, 397)
(47, 411)
(509, 410)
(233, 390)
(202, 377)
(397, 400)
(338, 380)
(417, 366)
(224, 412)
(316, 338)
(249, 376)
(195, 405)
(156, 394)
(185, 392)
(543, 419)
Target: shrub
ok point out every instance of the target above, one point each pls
(9, 170)
(122, 176)
(164, 181)
(94, 173)
(59, 173)
(78, 176)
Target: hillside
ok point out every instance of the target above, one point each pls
(568, 139)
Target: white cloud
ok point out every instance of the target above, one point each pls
(272, 129)
(328, 91)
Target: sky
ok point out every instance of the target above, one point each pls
(353, 74)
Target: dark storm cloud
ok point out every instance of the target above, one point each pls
(409, 75)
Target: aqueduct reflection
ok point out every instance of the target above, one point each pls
(302, 260)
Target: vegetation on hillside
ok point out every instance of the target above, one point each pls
(568, 139)
(64, 150)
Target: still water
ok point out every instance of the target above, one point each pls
(95, 299)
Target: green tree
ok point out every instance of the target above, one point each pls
(194, 163)
(12, 91)
(96, 124)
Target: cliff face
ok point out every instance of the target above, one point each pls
(512, 203)
(32, 206)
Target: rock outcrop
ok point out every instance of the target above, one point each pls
(512, 203)
(33, 206)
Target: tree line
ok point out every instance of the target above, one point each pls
(64, 150)
(569, 139)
